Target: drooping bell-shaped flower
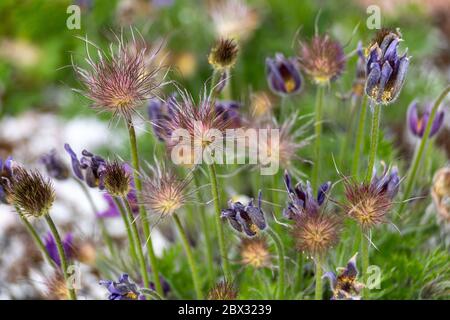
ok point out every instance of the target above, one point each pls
(245, 218)
(283, 75)
(418, 123)
(385, 69)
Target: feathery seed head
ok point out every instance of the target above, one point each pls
(323, 59)
(116, 179)
(255, 252)
(224, 290)
(30, 192)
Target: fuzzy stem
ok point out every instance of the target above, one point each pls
(191, 260)
(126, 221)
(319, 272)
(142, 212)
(105, 235)
(418, 156)
(62, 255)
(376, 116)
(280, 251)
(214, 81)
(137, 242)
(365, 260)
(359, 137)
(36, 238)
(318, 133)
(206, 233)
(218, 220)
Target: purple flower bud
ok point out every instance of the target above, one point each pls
(388, 183)
(302, 199)
(283, 75)
(418, 124)
(385, 70)
(229, 110)
(89, 168)
(50, 246)
(159, 112)
(249, 219)
(56, 168)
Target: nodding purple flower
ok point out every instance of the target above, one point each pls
(283, 75)
(344, 285)
(302, 199)
(386, 71)
(159, 112)
(89, 168)
(417, 124)
(50, 246)
(387, 183)
(245, 218)
(229, 110)
(6, 173)
(55, 166)
(122, 290)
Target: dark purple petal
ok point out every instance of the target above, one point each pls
(76, 166)
(323, 189)
(413, 119)
(437, 123)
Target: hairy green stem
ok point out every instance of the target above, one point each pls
(191, 260)
(418, 156)
(318, 274)
(137, 242)
(218, 220)
(206, 233)
(359, 137)
(126, 221)
(299, 272)
(318, 133)
(142, 212)
(376, 116)
(365, 260)
(281, 265)
(62, 255)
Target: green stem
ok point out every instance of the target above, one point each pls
(214, 81)
(280, 251)
(36, 238)
(142, 212)
(318, 133)
(359, 137)
(319, 273)
(365, 260)
(62, 255)
(126, 221)
(191, 260)
(206, 233)
(299, 272)
(105, 235)
(376, 116)
(137, 242)
(218, 220)
(418, 156)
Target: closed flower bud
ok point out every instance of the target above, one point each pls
(116, 179)
(224, 54)
(283, 75)
(418, 123)
(386, 71)
(31, 193)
